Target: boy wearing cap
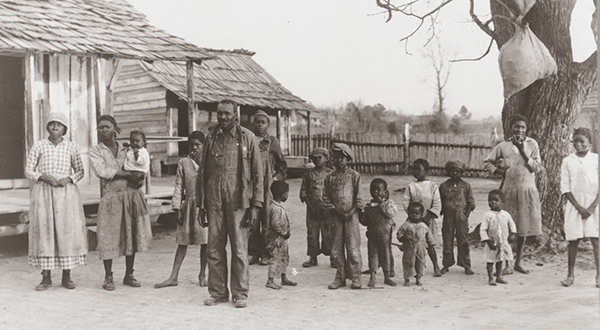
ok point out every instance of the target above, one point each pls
(457, 204)
(275, 169)
(317, 221)
(342, 201)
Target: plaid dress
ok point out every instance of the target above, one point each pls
(57, 232)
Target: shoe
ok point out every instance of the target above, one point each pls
(46, 281)
(240, 303)
(213, 301)
(336, 285)
(66, 281)
(355, 285)
(131, 281)
(310, 263)
(264, 261)
(252, 260)
(109, 284)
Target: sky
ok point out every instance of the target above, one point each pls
(331, 52)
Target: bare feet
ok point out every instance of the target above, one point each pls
(389, 282)
(418, 281)
(272, 285)
(286, 281)
(501, 280)
(507, 271)
(444, 270)
(167, 283)
(392, 273)
(469, 271)
(202, 281)
(406, 282)
(492, 282)
(520, 269)
(371, 283)
(568, 281)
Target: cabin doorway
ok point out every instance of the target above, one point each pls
(12, 118)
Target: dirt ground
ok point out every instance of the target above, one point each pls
(454, 301)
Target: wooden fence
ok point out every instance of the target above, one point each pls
(387, 153)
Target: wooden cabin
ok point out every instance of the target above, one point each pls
(153, 97)
(63, 56)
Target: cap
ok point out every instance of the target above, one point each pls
(344, 149)
(319, 151)
(455, 164)
(262, 113)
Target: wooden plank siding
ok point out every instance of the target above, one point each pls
(139, 103)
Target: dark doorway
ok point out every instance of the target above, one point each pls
(12, 114)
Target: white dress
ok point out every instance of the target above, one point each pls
(497, 226)
(579, 176)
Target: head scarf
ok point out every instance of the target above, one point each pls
(110, 119)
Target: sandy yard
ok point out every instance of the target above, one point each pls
(454, 301)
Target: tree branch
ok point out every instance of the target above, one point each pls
(483, 26)
(480, 57)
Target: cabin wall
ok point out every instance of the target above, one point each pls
(69, 85)
(139, 103)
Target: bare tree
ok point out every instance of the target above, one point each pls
(554, 103)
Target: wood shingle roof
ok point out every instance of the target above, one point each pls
(87, 27)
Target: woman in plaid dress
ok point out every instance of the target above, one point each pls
(123, 220)
(57, 232)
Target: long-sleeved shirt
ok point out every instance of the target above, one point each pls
(313, 185)
(425, 192)
(279, 225)
(278, 163)
(456, 196)
(503, 155)
(105, 165)
(61, 160)
(252, 172)
(342, 190)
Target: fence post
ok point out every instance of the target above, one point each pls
(406, 147)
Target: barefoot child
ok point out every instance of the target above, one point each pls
(416, 239)
(497, 231)
(378, 217)
(311, 193)
(457, 204)
(189, 231)
(425, 192)
(579, 184)
(278, 233)
(342, 201)
(138, 159)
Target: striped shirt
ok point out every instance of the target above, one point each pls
(62, 160)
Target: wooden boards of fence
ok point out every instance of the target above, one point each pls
(385, 153)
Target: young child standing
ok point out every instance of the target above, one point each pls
(497, 231)
(342, 201)
(189, 231)
(416, 239)
(378, 216)
(579, 184)
(278, 233)
(317, 221)
(457, 203)
(427, 193)
(138, 158)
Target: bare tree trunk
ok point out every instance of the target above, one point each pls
(551, 104)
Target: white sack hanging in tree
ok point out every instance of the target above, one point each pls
(523, 60)
(522, 7)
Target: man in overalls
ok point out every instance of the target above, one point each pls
(229, 193)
